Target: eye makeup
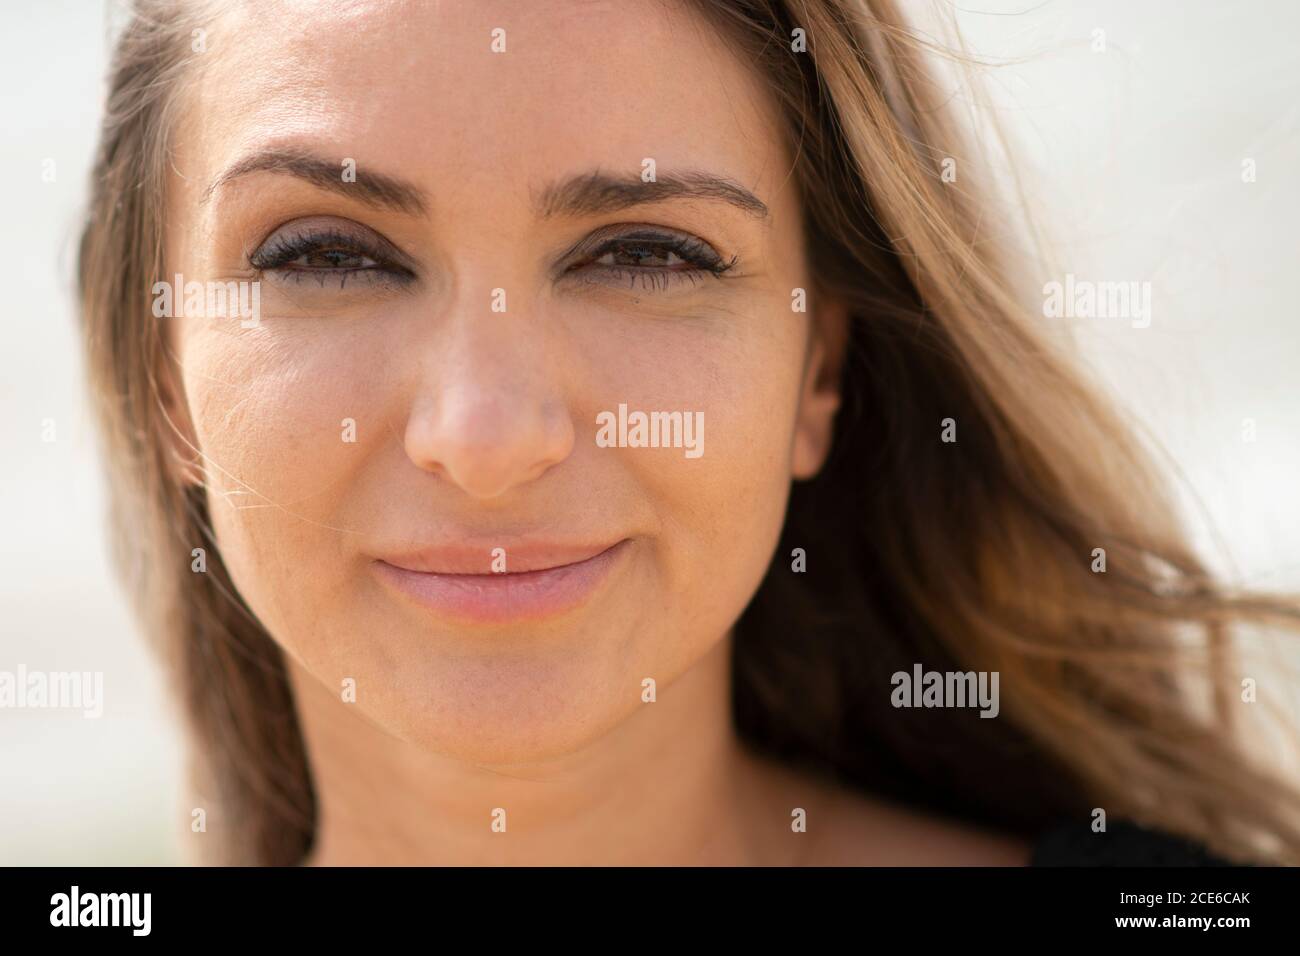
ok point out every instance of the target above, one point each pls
(651, 256)
(339, 252)
(331, 250)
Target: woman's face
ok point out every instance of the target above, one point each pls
(413, 479)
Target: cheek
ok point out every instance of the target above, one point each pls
(721, 513)
(283, 425)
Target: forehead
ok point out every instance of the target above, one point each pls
(580, 84)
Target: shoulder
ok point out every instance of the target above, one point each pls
(874, 832)
(859, 829)
(851, 828)
(1123, 843)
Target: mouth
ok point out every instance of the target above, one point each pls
(501, 585)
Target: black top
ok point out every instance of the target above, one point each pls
(1123, 844)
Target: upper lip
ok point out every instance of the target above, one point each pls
(480, 555)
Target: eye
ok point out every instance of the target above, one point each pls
(330, 251)
(652, 257)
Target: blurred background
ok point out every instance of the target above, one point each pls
(1130, 143)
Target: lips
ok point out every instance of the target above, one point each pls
(539, 580)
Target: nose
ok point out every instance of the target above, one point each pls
(489, 415)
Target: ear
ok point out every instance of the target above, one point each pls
(819, 397)
(179, 441)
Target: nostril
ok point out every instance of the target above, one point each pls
(486, 439)
(490, 465)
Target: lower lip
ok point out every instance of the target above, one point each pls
(502, 598)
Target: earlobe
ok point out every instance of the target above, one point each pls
(819, 397)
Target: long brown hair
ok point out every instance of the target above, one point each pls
(1123, 688)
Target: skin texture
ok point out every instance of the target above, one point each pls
(477, 428)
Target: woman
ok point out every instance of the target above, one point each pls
(406, 322)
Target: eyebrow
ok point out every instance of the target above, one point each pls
(374, 189)
(583, 194)
(599, 192)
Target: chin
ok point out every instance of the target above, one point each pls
(499, 708)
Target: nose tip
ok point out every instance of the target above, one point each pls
(489, 444)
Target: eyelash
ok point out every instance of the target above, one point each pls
(697, 254)
(279, 253)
